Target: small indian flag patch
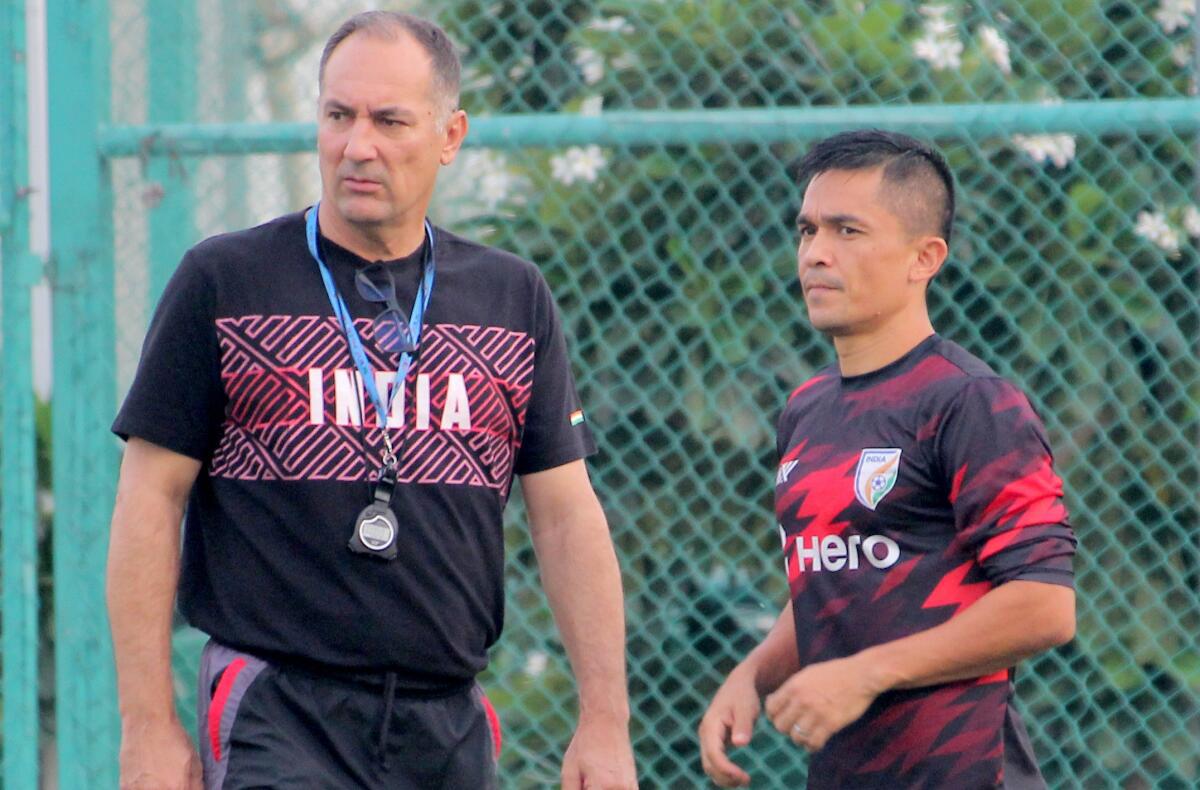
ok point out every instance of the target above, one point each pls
(577, 417)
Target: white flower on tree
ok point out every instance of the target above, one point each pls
(995, 47)
(940, 54)
(592, 105)
(578, 164)
(519, 69)
(1191, 220)
(940, 27)
(492, 182)
(535, 663)
(1058, 149)
(612, 24)
(1153, 227)
(1175, 14)
(495, 184)
(591, 65)
(939, 46)
(936, 11)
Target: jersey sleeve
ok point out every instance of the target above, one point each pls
(556, 431)
(177, 400)
(1007, 499)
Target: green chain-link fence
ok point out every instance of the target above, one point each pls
(640, 153)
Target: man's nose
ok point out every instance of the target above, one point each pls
(360, 143)
(815, 251)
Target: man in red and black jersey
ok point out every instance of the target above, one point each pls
(925, 538)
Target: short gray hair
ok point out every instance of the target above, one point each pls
(447, 69)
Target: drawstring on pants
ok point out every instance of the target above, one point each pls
(385, 727)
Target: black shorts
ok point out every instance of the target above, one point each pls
(265, 725)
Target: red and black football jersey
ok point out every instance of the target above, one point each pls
(902, 496)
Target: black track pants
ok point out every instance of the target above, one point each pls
(262, 725)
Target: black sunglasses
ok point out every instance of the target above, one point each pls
(375, 284)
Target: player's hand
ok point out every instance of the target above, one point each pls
(820, 700)
(600, 756)
(158, 755)
(729, 720)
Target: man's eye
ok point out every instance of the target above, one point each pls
(847, 231)
(335, 115)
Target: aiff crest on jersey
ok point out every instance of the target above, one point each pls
(876, 475)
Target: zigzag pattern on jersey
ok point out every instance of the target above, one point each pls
(497, 367)
(267, 434)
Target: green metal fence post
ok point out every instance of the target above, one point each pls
(18, 509)
(86, 457)
(235, 31)
(171, 64)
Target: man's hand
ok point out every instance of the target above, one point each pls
(583, 585)
(729, 720)
(158, 756)
(599, 757)
(820, 700)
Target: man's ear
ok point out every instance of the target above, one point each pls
(456, 132)
(931, 254)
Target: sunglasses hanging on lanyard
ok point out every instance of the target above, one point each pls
(376, 527)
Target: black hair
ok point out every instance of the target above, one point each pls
(447, 69)
(914, 166)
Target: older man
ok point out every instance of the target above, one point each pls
(339, 400)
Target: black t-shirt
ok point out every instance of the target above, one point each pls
(246, 369)
(903, 496)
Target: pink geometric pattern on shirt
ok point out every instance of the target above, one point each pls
(268, 434)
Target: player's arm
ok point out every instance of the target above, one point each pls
(143, 570)
(775, 659)
(583, 585)
(730, 718)
(1014, 621)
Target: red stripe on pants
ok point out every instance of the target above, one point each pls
(493, 723)
(217, 706)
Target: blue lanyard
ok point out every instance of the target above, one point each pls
(342, 313)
